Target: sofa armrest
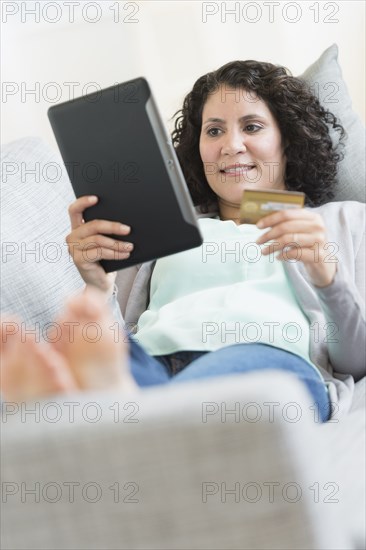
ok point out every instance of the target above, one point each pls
(189, 466)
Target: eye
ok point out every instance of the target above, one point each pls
(251, 128)
(213, 132)
(254, 127)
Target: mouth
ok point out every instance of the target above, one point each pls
(237, 169)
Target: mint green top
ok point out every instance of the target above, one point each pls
(222, 293)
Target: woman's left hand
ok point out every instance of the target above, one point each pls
(300, 235)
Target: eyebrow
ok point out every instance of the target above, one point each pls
(241, 119)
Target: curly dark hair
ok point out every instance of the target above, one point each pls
(304, 124)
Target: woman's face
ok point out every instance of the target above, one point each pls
(240, 144)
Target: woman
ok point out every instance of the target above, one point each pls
(246, 124)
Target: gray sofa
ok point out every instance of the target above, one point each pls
(175, 469)
(198, 466)
(201, 465)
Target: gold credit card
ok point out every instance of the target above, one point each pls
(257, 203)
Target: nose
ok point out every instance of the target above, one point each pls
(233, 143)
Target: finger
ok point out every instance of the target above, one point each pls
(96, 227)
(290, 228)
(286, 215)
(293, 240)
(101, 241)
(77, 208)
(307, 255)
(95, 254)
(91, 251)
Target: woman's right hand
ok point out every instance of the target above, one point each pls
(88, 244)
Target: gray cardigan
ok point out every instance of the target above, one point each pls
(335, 313)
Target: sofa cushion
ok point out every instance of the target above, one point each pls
(37, 272)
(326, 82)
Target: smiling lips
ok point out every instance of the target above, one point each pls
(237, 169)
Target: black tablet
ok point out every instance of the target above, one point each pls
(114, 145)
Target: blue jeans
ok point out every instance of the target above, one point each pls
(235, 359)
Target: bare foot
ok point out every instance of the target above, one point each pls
(30, 370)
(96, 355)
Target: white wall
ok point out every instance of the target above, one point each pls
(169, 42)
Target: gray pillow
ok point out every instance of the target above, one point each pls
(37, 273)
(325, 79)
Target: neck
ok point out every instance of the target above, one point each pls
(229, 211)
